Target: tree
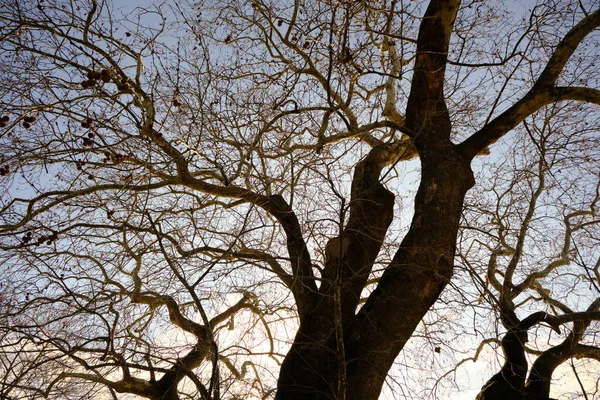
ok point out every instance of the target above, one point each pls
(181, 181)
(540, 253)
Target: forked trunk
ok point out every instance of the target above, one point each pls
(373, 337)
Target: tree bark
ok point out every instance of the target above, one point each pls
(411, 284)
(311, 369)
(423, 264)
(413, 281)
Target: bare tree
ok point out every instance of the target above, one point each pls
(184, 183)
(538, 238)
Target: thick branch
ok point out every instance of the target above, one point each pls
(155, 300)
(585, 351)
(543, 91)
(349, 260)
(576, 93)
(509, 383)
(540, 378)
(131, 385)
(419, 271)
(566, 48)
(371, 211)
(426, 106)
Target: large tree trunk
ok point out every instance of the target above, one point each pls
(412, 283)
(422, 267)
(315, 361)
(339, 353)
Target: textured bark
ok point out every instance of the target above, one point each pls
(413, 281)
(418, 273)
(373, 337)
(310, 370)
(169, 394)
(423, 265)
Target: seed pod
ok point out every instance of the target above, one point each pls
(124, 89)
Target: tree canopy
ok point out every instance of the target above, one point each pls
(312, 199)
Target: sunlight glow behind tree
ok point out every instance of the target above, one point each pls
(300, 199)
